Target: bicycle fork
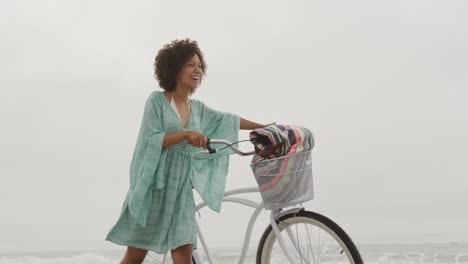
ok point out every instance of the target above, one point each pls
(276, 215)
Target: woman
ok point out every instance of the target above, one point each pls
(159, 211)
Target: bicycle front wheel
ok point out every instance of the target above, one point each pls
(310, 238)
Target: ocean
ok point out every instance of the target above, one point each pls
(372, 254)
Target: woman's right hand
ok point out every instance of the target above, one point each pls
(196, 139)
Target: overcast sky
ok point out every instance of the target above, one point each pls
(381, 84)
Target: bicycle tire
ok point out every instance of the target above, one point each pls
(321, 223)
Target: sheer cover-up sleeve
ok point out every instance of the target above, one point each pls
(209, 172)
(148, 155)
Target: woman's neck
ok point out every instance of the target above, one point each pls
(181, 95)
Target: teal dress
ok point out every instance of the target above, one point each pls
(158, 213)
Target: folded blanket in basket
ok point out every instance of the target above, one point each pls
(279, 165)
(280, 140)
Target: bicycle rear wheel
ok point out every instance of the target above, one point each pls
(317, 239)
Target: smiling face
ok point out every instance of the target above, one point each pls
(191, 74)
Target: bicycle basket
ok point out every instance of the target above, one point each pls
(285, 181)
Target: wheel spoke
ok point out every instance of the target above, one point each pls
(309, 239)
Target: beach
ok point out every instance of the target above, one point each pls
(372, 254)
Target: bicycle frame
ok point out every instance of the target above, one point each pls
(275, 214)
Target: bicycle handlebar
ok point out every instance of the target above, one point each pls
(210, 150)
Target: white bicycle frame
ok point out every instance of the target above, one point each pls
(275, 214)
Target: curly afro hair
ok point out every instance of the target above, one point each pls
(170, 60)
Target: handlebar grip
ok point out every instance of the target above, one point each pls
(208, 147)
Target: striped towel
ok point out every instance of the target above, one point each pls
(280, 140)
(277, 179)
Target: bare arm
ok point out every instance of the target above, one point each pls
(249, 125)
(174, 138)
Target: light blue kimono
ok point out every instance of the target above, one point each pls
(159, 211)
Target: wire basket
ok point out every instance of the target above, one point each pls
(285, 181)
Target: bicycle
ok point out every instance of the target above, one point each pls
(302, 236)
